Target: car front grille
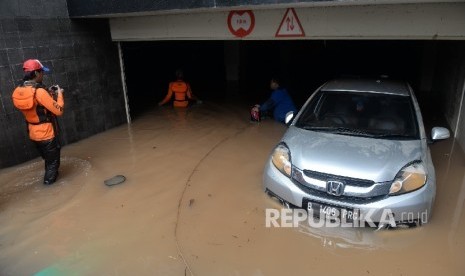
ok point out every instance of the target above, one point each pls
(347, 180)
(354, 190)
(346, 199)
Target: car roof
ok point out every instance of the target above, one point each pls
(381, 85)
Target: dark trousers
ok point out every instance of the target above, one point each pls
(50, 152)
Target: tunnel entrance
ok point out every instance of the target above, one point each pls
(301, 65)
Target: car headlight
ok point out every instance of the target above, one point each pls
(409, 179)
(281, 158)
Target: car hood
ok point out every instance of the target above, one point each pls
(378, 160)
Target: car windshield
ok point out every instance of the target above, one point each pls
(361, 114)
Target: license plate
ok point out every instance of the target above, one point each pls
(322, 210)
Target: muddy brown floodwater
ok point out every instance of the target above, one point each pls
(193, 204)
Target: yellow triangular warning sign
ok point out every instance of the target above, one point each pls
(290, 25)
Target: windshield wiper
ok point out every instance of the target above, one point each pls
(393, 135)
(353, 131)
(338, 130)
(329, 128)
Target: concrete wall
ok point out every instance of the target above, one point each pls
(83, 60)
(105, 8)
(408, 21)
(449, 84)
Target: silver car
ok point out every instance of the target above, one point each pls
(357, 148)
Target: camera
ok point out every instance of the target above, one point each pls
(53, 91)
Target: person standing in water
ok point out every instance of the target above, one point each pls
(40, 106)
(182, 92)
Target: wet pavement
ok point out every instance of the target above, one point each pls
(193, 204)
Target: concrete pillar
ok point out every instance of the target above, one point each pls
(232, 57)
(428, 63)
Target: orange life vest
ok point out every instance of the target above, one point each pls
(182, 92)
(38, 108)
(180, 89)
(24, 99)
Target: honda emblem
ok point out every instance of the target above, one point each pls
(335, 188)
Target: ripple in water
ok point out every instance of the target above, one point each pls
(22, 186)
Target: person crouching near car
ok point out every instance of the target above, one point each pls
(280, 102)
(39, 106)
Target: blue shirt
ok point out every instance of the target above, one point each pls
(281, 102)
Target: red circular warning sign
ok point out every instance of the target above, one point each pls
(241, 23)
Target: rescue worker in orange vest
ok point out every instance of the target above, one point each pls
(181, 90)
(40, 106)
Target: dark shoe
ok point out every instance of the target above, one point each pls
(49, 182)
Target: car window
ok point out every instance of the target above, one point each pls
(361, 114)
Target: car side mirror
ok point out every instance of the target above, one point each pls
(289, 117)
(439, 133)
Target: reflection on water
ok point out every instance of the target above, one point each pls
(341, 239)
(344, 238)
(193, 204)
(362, 238)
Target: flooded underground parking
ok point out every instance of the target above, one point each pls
(146, 187)
(193, 203)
